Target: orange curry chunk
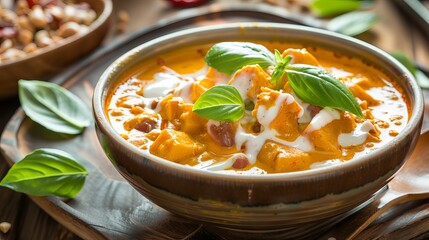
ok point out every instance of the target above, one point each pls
(251, 79)
(285, 122)
(191, 122)
(300, 56)
(175, 146)
(283, 158)
(325, 139)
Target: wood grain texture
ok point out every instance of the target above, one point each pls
(108, 207)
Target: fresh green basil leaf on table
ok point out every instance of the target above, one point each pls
(46, 172)
(353, 23)
(54, 107)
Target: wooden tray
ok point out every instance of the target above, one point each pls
(108, 207)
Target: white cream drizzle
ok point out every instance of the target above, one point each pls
(167, 82)
(326, 163)
(184, 90)
(357, 136)
(243, 82)
(323, 118)
(221, 165)
(265, 116)
(338, 73)
(163, 84)
(305, 116)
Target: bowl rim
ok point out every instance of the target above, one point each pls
(99, 21)
(103, 123)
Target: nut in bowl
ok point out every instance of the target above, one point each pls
(38, 40)
(216, 126)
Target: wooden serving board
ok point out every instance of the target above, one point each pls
(108, 207)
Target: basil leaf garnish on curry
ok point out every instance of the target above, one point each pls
(310, 83)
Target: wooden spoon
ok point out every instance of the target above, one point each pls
(411, 183)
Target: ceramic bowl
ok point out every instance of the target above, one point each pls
(44, 62)
(295, 203)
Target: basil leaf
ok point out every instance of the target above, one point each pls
(316, 86)
(228, 57)
(277, 75)
(46, 172)
(53, 107)
(405, 61)
(220, 103)
(420, 76)
(353, 23)
(327, 8)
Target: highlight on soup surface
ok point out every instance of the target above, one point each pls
(240, 108)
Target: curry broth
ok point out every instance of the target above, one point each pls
(192, 142)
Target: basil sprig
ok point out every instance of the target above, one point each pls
(312, 84)
(279, 70)
(53, 107)
(228, 57)
(316, 86)
(220, 103)
(46, 172)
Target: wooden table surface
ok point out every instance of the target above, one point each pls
(393, 32)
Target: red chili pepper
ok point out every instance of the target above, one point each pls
(186, 3)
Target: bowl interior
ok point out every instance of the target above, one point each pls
(259, 202)
(271, 32)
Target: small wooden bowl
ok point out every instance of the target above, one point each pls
(52, 59)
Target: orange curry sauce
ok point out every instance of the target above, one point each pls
(151, 108)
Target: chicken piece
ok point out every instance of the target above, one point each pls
(213, 77)
(191, 122)
(171, 110)
(300, 56)
(197, 89)
(175, 146)
(249, 80)
(360, 93)
(278, 111)
(283, 158)
(325, 139)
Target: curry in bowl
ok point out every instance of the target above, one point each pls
(248, 108)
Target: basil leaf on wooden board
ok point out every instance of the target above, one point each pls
(420, 76)
(405, 61)
(328, 8)
(277, 75)
(316, 86)
(46, 172)
(353, 23)
(220, 103)
(53, 107)
(228, 57)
